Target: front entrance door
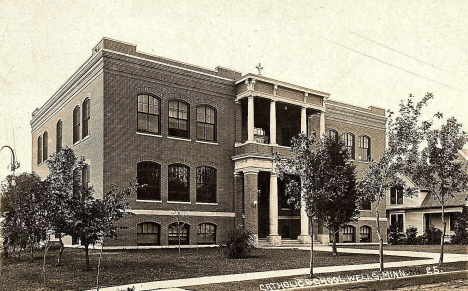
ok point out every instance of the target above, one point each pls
(263, 204)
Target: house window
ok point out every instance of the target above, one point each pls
(178, 119)
(149, 181)
(206, 184)
(349, 141)
(178, 230)
(45, 146)
(397, 219)
(149, 117)
(148, 234)
(39, 150)
(365, 234)
(85, 177)
(206, 233)
(333, 133)
(58, 141)
(349, 234)
(364, 144)
(86, 116)
(179, 181)
(366, 205)
(76, 124)
(206, 123)
(396, 195)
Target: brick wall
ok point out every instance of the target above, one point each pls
(124, 147)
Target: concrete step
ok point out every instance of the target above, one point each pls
(262, 242)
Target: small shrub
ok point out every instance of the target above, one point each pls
(238, 243)
(411, 235)
(421, 240)
(461, 228)
(393, 235)
(432, 235)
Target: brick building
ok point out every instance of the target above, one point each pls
(201, 141)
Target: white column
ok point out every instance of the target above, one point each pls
(273, 122)
(305, 236)
(304, 120)
(322, 123)
(273, 236)
(273, 204)
(250, 119)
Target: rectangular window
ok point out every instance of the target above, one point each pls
(366, 205)
(396, 195)
(397, 219)
(178, 119)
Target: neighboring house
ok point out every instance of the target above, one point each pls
(201, 141)
(424, 210)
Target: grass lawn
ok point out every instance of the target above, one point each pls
(133, 266)
(448, 248)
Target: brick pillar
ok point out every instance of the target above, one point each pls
(238, 198)
(251, 202)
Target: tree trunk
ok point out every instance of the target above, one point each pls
(441, 259)
(47, 246)
(99, 265)
(32, 251)
(62, 247)
(381, 254)
(86, 246)
(334, 250)
(311, 233)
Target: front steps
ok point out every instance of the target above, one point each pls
(285, 242)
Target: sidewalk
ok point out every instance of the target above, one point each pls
(173, 285)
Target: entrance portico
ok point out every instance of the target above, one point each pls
(272, 113)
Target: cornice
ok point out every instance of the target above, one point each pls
(281, 83)
(165, 66)
(93, 66)
(277, 98)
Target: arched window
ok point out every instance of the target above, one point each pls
(178, 119)
(148, 234)
(350, 144)
(178, 230)
(149, 179)
(58, 141)
(349, 234)
(76, 124)
(206, 233)
(365, 234)
(206, 123)
(45, 146)
(333, 133)
(179, 182)
(39, 150)
(85, 177)
(206, 184)
(149, 114)
(365, 145)
(85, 116)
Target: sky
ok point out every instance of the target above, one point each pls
(365, 53)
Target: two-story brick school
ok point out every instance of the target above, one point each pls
(201, 141)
